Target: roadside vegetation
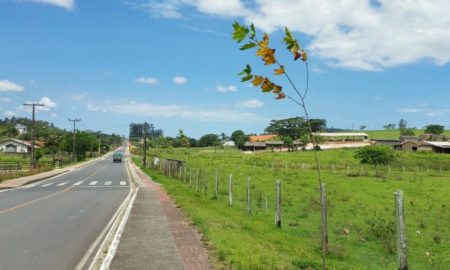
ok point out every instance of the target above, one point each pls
(55, 147)
(360, 208)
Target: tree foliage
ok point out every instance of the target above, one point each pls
(375, 155)
(407, 132)
(137, 130)
(295, 127)
(434, 129)
(239, 138)
(209, 140)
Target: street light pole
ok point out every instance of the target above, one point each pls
(74, 135)
(33, 156)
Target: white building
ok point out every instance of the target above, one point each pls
(15, 146)
(21, 128)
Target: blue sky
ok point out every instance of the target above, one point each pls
(173, 63)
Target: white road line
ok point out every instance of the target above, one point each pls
(123, 183)
(93, 183)
(61, 184)
(48, 184)
(78, 183)
(30, 186)
(108, 183)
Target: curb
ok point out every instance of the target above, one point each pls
(106, 251)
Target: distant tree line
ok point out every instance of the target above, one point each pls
(55, 140)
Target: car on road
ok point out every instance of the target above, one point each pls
(117, 157)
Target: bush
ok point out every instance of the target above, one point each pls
(375, 155)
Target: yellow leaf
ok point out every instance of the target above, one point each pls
(257, 80)
(267, 85)
(269, 57)
(279, 71)
(277, 89)
(304, 56)
(280, 96)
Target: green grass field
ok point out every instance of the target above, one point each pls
(360, 208)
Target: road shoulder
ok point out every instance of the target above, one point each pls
(157, 235)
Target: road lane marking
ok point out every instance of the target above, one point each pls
(93, 183)
(48, 184)
(108, 183)
(78, 183)
(61, 184)
(30, 186)
(33, 201)
(123, 183)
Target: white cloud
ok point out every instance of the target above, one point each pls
(5, 100)
(9, 113)
(251, 103)
(67, 4)
(377, 98)
(176, 111)
(424, 109)
(224, 89)
(46, 101)
(179, 80)
(79, 97)
(144, 80)
(352, 34)
(9, 86)
(54, 115)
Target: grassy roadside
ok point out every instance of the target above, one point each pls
(360, 211)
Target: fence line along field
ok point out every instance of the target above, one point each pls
(241, 224)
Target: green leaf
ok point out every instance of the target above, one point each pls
(248, 46)
(246, 71)
(247, 78)
(252, 31)
(240, 32)
(291, 43)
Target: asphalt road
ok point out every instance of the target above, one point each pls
(52, 224)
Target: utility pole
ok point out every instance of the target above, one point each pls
(74, 123)
(144, 161)
(33, 156)
(99, 142)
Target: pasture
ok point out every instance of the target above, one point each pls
(360, 208)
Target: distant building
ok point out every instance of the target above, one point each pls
(16, 146)
(229, 144)
(21, 128)
(261, 138)
(424, 146)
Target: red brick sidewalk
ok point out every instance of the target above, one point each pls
(187, 239)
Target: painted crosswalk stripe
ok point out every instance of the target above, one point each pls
(93, 183)
(108, 183)
(78, 183)
(61, 184)
(46, 185)
(123, 183)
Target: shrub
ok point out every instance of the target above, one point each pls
(375, 155)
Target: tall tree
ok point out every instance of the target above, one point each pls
(209, 140)
(402, 124)
(294, 127)
(239, 138)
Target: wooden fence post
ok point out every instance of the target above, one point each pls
(323, 202)
(216, 186)
(230, 190)
(206, 183)
(278, 204)
(197, 182)
(190, 176)
(249, 202)
(400, 229)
